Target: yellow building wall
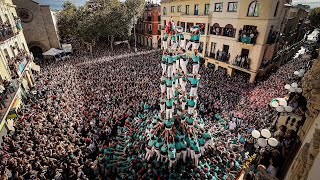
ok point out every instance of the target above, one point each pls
(237, 19)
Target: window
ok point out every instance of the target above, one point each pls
(276, 10)
(173, 9)
(179, 8)
(164, 11)
(206, 9)
(218, 7)
(187, 9)
(254, 9)
(232, 6)
(196, 9)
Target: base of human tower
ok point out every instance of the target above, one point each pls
(176, 134)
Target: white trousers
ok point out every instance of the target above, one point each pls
(174, 45)
(202, 150)
(195, 68)
(189, 44)
(169, 113)
(163, 88)
(174, 68)
(183, 85)
(158, 155)
(184, 105)
(195, 45)
(182, 43)
(164, 158)
(169, 92)
(165, 44)
(183, 65)
(171, 163)
(196, 159)
(149, 154)
(178, 156)
(162, 107)
(190, 110)
(193, 91)
(170, 70)
(164, 68)
(184, 156)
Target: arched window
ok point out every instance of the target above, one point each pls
(254, 9)
(276, 10)
(164, 11)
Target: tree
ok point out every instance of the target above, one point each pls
(314, 17)
(67, 22)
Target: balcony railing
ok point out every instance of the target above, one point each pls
(243, 62)
(6, 32)
(220, 56)
(248, 36)
(195, 14)
(7, 93)
(221, 31)
(18, 63)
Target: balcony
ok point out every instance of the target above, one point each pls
(195, 14)
(248, 35)
(243, 62)
(18, 63)
(7, 94)
(149, 18)
(149, 32)
(227, 31)
(6, 32)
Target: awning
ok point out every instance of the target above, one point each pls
(35, 67)
(52, 52)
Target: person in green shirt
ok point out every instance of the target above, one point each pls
(157, 147)
(170, 65)
(149, 150)
(165, 41)
(183, 145)
(163, 62)
(201, 142)
(191, 104)
(194, 37)
(175, 58)
(174, 40)
(169, 85)
(181, 36)
(164, 153)
(183, 61)
(194, 80)
(195, 60)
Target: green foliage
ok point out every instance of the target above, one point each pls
(314, 17)
(111, 20)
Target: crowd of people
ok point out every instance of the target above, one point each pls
(92, 117)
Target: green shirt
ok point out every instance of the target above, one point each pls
(169, 82)
(191, 102)
(175, 57)
(193, 81)
(169, 103)
(195, 58)
(164, 58)
(170, 59)
(165, 37)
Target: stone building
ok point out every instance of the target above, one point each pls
(39, 28)
(16, 64)
(148, 26)
(248, 29)
(306, 163)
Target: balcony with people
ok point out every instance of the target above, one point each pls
(272, 37)
(248, 35)
(8, 89)
(227, 31)
(6, 31)
(18, 63)
(242, 61)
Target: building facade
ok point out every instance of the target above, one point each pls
(16, 63)
(306, 163)
(38, 26)
(237, 35)
(148, 27)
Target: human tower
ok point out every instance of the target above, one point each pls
(177, 132)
